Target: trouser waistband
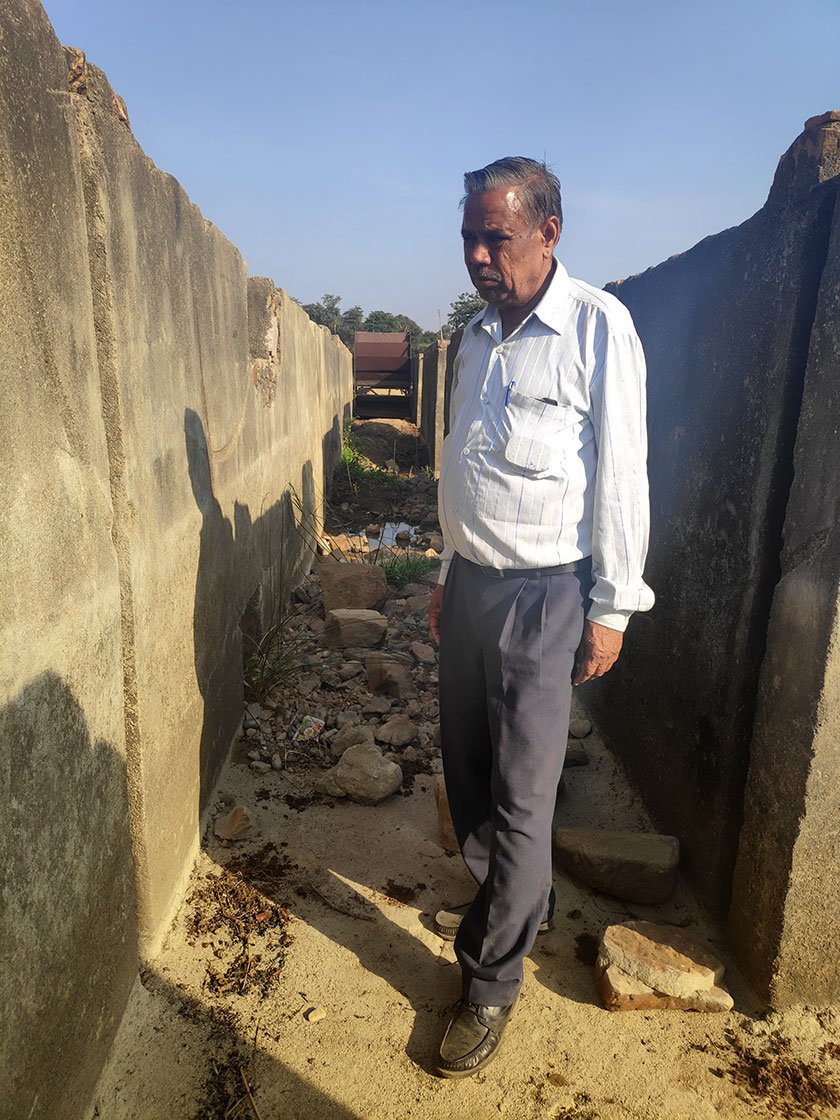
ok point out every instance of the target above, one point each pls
(529, 573)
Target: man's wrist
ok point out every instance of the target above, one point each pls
(613, 620)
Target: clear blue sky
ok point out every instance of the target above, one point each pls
(328, 140)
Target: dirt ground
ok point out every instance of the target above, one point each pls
(327, 907)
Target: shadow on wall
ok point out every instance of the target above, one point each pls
(67, 928)
(214, 637)
(245, 574)
(68, 925)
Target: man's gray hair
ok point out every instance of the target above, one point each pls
(538, 186)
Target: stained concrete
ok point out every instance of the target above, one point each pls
(165, 438)
(219, 401)
(67, 925)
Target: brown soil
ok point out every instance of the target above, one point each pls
(357, 500)
(779, 1084)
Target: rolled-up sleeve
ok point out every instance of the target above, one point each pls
(621, 516)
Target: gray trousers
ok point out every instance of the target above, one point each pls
(507, 651)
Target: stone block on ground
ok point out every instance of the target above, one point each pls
(580, 728)
(344, 719)
(424, 653)
(363, 775)
(386, 676)
(409, 589)
(445, 825)
(363, 628)
(662, 956)
(376, 706)
(575, 754)
(635, 866)
(350, 736)
(621, 992)
(418, 604)
(235, 825)
(398, 731)
(352, 586)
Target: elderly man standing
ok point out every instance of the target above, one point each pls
(544, 510)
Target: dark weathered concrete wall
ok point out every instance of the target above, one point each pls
(165, 422)
(417, 388)
(785, 917)
(727, 328)
(432, 405)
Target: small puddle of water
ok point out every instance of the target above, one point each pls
(388, 537)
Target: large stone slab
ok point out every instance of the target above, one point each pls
(352, 586)
(636, 866)
(350, 628)
(662, 956)
(622, 992)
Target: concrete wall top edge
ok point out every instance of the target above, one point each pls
(88, 81)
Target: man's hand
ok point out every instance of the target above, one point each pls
(597, 653)
(435, 603)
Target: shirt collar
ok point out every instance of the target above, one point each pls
(553, 308)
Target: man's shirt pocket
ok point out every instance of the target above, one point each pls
(533, 434)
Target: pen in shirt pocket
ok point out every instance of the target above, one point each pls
(510, 387)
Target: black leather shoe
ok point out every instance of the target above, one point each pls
(472, 1038)
(447, 921)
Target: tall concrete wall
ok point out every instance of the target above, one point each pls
(164, 422)
(67, 924)
(730, 330)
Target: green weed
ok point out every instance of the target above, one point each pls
(407, 567)
(275, 658)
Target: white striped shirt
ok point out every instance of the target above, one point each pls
(545, 460)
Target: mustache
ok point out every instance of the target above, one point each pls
(487, 274)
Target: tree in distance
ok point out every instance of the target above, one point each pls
(327, 313)
(464, 308)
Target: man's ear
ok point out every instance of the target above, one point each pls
(550, 233)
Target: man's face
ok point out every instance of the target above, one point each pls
(507, 259)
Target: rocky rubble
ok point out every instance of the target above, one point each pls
(349, 720)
